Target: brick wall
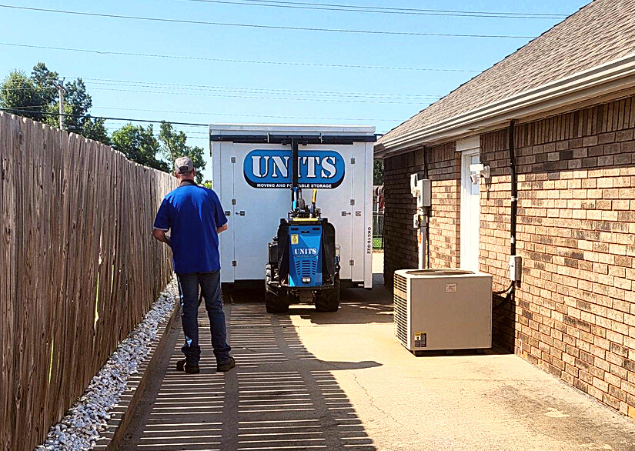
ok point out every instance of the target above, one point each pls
(574, 315)
(575, 312)
(400, 239)
(494, 249)
(444, 169)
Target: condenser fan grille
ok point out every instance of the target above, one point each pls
(401, 309)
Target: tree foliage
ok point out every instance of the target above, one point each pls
(96, 129)
(36, 97)
(139, 144)
(20, 95)
(174, 145)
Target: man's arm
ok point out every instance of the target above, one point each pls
(219, 214)
(162, 223)
(161, 236)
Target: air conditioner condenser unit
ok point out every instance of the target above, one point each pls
(443, 309)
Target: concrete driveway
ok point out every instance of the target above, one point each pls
(341, 380)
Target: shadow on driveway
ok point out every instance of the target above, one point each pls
(279, 397)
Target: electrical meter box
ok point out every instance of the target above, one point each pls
(421, 189)
(252, 177)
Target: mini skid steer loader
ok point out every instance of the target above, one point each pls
(303, 263)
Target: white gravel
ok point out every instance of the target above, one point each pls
(81, 427)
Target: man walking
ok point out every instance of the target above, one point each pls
(196, 217)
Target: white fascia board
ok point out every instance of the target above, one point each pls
(604, 79)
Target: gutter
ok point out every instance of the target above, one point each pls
(601, 80)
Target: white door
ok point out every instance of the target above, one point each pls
(337, 207)
(470, 211)
(224, 187)
(359, 235)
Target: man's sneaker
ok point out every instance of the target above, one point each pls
(226, 366)
(182, 365)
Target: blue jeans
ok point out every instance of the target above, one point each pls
(210, 289)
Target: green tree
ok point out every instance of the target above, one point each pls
(174, 145)
(95, 129)
(207, 184)
(19, 95)
(80, 102)
(37, 97)
(378, 173)
(46, 82)
(139, 144)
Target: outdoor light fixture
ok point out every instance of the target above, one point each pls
(479, 170)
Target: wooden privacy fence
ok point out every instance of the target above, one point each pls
(78, 268)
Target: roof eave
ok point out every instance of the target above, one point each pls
(600, 81)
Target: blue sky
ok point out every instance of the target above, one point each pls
(206, 91)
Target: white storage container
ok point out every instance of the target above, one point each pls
(252, 176)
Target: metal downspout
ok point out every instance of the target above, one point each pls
(514, 182)
(510, 293)
(428, 210)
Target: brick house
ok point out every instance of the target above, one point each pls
(564, 105)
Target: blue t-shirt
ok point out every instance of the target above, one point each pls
(193, 213)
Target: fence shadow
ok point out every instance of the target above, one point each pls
(280, 396)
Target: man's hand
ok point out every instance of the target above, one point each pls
(221, 229)
(161, 236)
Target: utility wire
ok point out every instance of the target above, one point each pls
(195, 87)
(90, 116)
(251, 115)
(223, 60)
(237, 90)
(155, 121)
(262, 91)
(28, 109)
(261, 26)
(384, 10)
(274, 96)
(256, 97)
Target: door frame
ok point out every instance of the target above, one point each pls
(474, 235)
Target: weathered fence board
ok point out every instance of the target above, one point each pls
(78, 268)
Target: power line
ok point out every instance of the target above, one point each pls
(252, 97)
(90, 116)
(256, 97)
(251, 115)
(261, 26)
(384, 10)
(263, 91)
(223, 60)
(176, 123)
(195, 87)
(191, 124)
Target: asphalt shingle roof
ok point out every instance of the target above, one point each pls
(600, 32)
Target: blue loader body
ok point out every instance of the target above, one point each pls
(305, 259)
(303, 266)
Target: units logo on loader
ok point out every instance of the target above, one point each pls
(322, 169)
(302, 251)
